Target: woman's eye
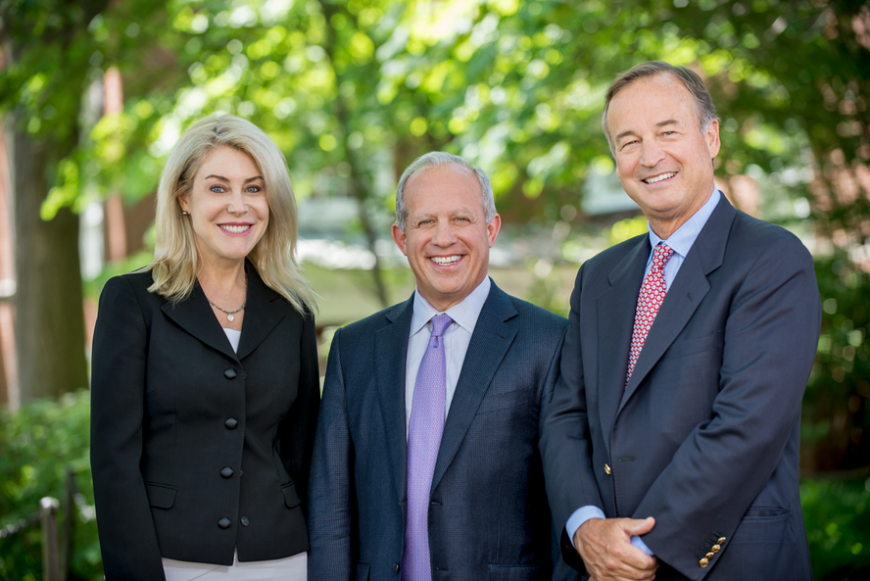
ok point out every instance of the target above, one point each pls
(217, 189)
(253, 189)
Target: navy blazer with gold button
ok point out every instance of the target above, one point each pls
(489, 517)
(705, 436)
(197, 451)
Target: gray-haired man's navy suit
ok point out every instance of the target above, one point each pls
(488, 517)
(705, 435)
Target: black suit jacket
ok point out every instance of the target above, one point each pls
(705, 436)
(489, 517)
(177, 417)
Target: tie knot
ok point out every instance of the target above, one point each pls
(661, 255)
(439, 323)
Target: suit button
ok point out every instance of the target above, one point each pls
(715, 548)
(720, 541)
(245, 521)
(607, 469)
(231, 423)
(224, 523)
(226, 472)
(230, 373)
(703, 562)
(710, 555)
(397, 568)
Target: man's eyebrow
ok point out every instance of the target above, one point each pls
(625, 133)
(659, 124)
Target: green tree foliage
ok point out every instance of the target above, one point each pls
(353, 90)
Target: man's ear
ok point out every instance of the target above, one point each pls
(492, 229)
(399, 238)
(712, 138)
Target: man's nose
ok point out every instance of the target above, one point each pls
(651, 153)
(444, 234)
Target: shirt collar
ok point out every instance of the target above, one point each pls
(684, 237)
(464, 313)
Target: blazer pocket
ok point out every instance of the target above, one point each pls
(515, 573)
(160, 495)
(690, 345)
(763, 524)
(362, 572)
(291, 497)
(493, 402)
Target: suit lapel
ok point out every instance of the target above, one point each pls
(195, 316)
(686, 293)
(493, 334)
(615, 321)
(391, 354)
(263, 311)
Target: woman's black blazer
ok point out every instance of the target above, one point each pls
(197, 451)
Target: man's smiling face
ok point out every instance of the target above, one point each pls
(446, 237)
(663, 158)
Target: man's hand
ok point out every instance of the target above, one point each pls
(606, 549)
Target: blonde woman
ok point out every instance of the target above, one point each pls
(205, 379)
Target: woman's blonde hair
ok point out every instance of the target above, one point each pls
(175, 257)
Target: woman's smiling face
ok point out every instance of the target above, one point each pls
(227, 206)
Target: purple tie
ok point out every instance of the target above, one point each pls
(424, 439)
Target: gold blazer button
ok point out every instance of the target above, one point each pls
(607, 469)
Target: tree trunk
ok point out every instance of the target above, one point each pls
(49, 329)
(356, 187)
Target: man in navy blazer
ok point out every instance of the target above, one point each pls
(485, 514)
(672, 449)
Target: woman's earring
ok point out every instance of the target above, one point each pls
(184, 212)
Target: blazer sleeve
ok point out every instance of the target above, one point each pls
(300, 423)
(566, 442)
(561, 569)
(128, 539)
(770, 339)
(329, 529)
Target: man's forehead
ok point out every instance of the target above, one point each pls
(659, 97)
(435, 171)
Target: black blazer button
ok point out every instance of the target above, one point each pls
(226, 472)
(397, 568)
(245, 521)
(231, 423)
(230, 373)
(224, 523)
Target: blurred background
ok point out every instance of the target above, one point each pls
(94, 94)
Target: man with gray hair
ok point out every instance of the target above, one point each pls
(426, 462)
(671, 444)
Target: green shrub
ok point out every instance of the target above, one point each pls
(837, 517)
(37, 445)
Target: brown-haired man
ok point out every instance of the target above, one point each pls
(684, 366)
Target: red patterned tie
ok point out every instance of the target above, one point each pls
(652, 293)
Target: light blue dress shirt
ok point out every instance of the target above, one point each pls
(680, 242)
(456, 339)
